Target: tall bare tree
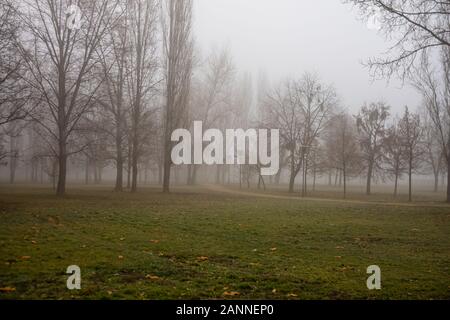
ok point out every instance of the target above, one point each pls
(14, 94)
(343, 142)
(178, 62)
(59, 59)
(434, 85)
(410, 130)
(394, 159)
(142, 81)
(113, 54)
(434, 156)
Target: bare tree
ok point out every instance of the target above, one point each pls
(416, 26)
(142, 80)
(371, 124)
(113, 55)
(300, 108)
(59, 59)
(436, 96)
(178, 62)
(14, 94)
(342, 137)
(410, 130)
(394, 158)
(433, 147)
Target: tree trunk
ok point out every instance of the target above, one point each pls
(62, 170)
(410, 177)
(119, 164)
(436, 181)
(448, 179)
(369, 178)
(344, 176)
(396, 185)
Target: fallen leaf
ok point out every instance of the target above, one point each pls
(34, 242)
(7, 289)
(25, 257)
(202, 258)
(292, 295)
(273, 249)
(231, 293)
(152, 277)
(120, 257)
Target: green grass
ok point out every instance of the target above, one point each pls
(260, 248)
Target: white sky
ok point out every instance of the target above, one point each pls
(284, 38)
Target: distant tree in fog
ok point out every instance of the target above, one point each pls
(212, 96)
(394, 154)
(434, 155)
(342, 135)
(371, 125)
(300, 109)
(433, 83)
(411, 133)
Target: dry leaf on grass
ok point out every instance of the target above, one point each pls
(231, 293)
(202, 258)
(152, 277)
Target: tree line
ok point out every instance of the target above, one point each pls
(109, 92)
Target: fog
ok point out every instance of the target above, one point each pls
(107, 105)
(288, 37)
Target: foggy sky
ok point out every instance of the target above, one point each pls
(284, 38)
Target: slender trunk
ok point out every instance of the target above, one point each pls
(448, 178)
(62, 169)
(12, 159)
(167, 167)
(369, 178)
(436, 181)
(344, 177)
(119, 164)
(410, 176)
(86, 171)
(314, 179)
(396, 185)
(217, 174)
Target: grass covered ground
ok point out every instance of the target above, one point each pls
(205, 244)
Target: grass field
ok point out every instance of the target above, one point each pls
(205, 244)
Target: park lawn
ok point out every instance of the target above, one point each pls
(203, 245)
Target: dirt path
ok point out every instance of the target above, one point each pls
(222, 189)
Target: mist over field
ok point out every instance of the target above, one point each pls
(224, 149)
